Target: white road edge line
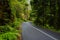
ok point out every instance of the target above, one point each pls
(45, 33)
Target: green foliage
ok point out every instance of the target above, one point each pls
(11, 17)
(8, 33)
(9, 36)
(46, 12)
(5, 12)
(4, 29)
(12, 13)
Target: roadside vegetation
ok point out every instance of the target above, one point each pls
(45, 13)
(12, 14)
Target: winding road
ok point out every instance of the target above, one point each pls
(29, 32)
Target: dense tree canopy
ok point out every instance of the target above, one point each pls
(46, 12)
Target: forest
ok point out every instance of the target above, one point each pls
(43, 13)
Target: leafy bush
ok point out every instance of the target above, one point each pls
(10, 19)
(9, 36)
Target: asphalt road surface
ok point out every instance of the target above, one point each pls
(29, 32)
